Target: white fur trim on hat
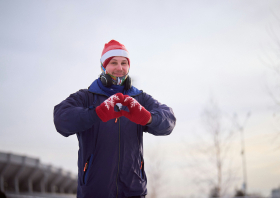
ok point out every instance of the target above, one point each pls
(116, 52)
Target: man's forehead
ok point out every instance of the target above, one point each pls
(119, 58)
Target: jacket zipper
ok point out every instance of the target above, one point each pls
(119, 157)
(85, 170)
(141, 166)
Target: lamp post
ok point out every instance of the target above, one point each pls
(241, 129)
(243, 161)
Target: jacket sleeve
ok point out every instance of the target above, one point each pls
(71, 115)
(163, 118)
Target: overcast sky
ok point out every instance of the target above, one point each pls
(182, 53)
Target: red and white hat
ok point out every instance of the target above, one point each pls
(111, 49)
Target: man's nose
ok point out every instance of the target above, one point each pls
(119, 66)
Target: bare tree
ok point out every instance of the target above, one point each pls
(211, 156)
(272, 61)
(155, 171)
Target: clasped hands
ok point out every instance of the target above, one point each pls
(137, 113)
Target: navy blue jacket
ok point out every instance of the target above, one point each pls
(110, 157)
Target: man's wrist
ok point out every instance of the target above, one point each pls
(150, 120)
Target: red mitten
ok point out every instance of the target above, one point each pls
(137, 113)
(106, 111)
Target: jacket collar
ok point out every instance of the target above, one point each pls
(94, 88)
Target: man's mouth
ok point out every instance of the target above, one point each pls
(118, 74)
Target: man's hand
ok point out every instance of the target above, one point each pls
(105, 110)
(137, 113)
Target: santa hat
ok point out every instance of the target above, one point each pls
(111, 49)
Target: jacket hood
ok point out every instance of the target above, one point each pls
(94, 88)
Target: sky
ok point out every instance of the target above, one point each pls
(183, 53)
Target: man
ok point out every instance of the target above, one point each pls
(109, 119)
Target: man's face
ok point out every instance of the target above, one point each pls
(118, 66)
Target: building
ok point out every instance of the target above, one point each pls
(22, 175)
(275, 193)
